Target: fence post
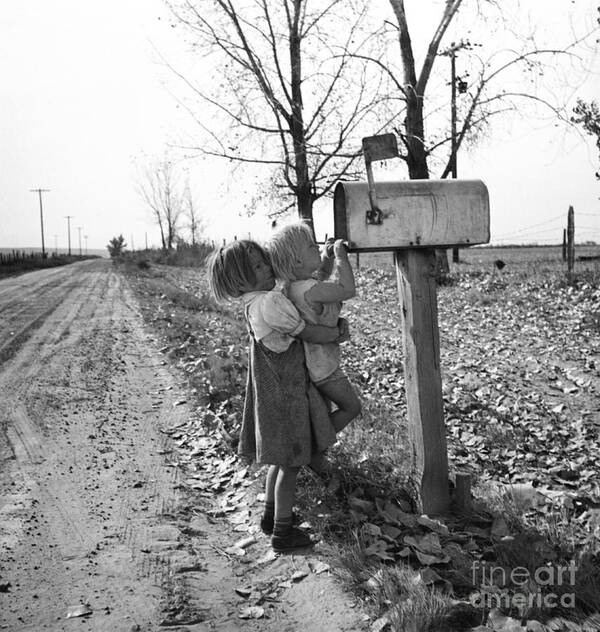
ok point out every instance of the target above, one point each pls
(570, 242)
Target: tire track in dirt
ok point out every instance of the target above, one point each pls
(25, 313)
(60, 489)
(23, 287)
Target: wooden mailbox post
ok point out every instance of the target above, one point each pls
(412, 218)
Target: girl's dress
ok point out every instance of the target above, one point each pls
(285, 419)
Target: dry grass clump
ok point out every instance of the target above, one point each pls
(398, 596)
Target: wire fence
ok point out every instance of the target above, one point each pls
(13, 257)
(16, 256)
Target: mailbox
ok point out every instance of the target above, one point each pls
(412, 214)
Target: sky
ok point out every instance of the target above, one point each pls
(86, 100)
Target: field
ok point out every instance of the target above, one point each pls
(520, 360)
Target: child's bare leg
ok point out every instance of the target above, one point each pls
(341, 393)
(285, 491)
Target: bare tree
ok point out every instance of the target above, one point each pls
(159, 187)
(290, 89)
(485, 97)
(492, 89)
(194, 221)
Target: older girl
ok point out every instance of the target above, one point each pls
(285, 421)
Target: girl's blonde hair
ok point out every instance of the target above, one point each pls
(230, 268)
(285, 248)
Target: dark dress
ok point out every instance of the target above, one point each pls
(285, 418)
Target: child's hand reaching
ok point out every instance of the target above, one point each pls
(339, 249)
(328, 247)
(344, 331)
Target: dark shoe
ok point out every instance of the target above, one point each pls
(294, 539)
(267, 523)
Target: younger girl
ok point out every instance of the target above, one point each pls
(284, 419)
(296, 259)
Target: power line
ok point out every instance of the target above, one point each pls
(520, 230)
(530, 232)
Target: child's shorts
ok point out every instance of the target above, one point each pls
(338, 374)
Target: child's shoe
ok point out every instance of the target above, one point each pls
(293, 539)
(267, 522)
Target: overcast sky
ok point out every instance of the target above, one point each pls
(84, 99)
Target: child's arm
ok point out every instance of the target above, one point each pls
(327, 261)
(319, 334)
(341, 289)
(280, 315)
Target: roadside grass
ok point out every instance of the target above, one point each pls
(371, 461)
(545, 538)
(396, 593)
(185, 255)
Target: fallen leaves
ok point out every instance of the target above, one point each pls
(520, 375)
(520, 383)
(252, 612)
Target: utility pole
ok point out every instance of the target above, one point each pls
(453, 111)
(79, 229)
(455, 82)
(55, 245)
(69, 231)
(39, 192)
(85, 237)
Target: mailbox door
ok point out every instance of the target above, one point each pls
(414, 213)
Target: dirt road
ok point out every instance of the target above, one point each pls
(90, 520)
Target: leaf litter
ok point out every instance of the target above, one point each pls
(520, 364)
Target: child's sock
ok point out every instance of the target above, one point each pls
(287, 537)
(268, 517)
(282, 526)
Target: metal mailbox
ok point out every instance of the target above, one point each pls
(412, 214)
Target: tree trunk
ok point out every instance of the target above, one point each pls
(162, 232)
(170, 233)
(417, 160)
(414, 128)
(305, 199)
(303, 188)
(415, 93)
